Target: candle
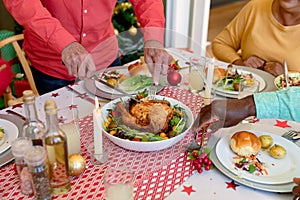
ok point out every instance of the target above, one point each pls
(97, 121)
(209, 80)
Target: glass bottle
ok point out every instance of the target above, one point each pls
(18, 147)
(35, 157)
(33, 128)
(56, 147)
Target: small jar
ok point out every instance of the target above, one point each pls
(35, 158)
(18, 147)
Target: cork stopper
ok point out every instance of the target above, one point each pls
(28, 97)
(50, 107)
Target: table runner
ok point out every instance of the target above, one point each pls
(157, 174)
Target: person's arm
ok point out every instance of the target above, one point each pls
(150, 14)
(282, 104)
(35, 17)
(227, 43)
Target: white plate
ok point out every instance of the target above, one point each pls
(277, 81)
(11, 131)
(280, 171)
(282, 188)
(262, 83)
(149, 146)
(121, 70)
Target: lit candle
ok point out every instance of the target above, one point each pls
(209, 80)
(97, 120)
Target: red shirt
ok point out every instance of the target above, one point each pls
(49, 26)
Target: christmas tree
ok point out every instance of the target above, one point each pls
(130, 38)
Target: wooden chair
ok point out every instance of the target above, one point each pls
(14, 41)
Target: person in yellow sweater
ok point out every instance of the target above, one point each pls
(262, 35)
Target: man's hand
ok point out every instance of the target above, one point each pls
(157, 58)
(274, 68)
(254, 61)
(78, 61)
(228, 112)
(296, 189)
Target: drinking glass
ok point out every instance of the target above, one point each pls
(196, 74)
(248, 87)
(118, 184)
(69, 123)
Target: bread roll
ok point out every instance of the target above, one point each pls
(138, 68)
(219, 73)
(245, 143)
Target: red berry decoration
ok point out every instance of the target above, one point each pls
(201, 160)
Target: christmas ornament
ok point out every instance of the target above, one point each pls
(132, 31)
(77, 164)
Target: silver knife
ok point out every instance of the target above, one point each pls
(286, 76)
(96, 78)
(85, 96)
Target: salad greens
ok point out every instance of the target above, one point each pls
(135, 83)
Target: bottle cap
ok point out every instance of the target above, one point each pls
(50, 107)
(28, 97)
(20, 145)
(35, 155)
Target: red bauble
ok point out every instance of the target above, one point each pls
(174, 77)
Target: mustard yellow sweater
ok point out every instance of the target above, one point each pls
(256, 32)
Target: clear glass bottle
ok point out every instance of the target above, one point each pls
(33, 128)
(18, 147)
(56, 147)
(35, 157)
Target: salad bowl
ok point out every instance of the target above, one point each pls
(147, 146)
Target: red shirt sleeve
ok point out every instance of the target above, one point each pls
(33, 16)
(150, 14)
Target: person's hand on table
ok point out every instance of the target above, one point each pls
(252, 61)
(274, 68)
(229, 112)
(78, 61)
(296, 189)
(157, 58)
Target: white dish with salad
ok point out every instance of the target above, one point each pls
(146, 124)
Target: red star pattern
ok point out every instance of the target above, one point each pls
(55, 94)
(19, 105)
(72, 106)
(282, 124)
(188, 189)
(231, 185)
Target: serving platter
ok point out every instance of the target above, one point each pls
(149, 146)
(280, 171)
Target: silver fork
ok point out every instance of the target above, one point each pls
(194, 144)
(292, 135)
(152, 91)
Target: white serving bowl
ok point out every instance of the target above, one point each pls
(293, 75)
(148, 146)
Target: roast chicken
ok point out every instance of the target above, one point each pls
(150, 115)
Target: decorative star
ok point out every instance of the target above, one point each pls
(188, 189)
(72, 106)
(19, 105)
(282, 124)
(55, 94)
(61, 119)
(231, 185)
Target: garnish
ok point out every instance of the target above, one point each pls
(250, 164)
(201, 159)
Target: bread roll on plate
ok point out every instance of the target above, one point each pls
(138, 68)
(245, 143)
(219, 73)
